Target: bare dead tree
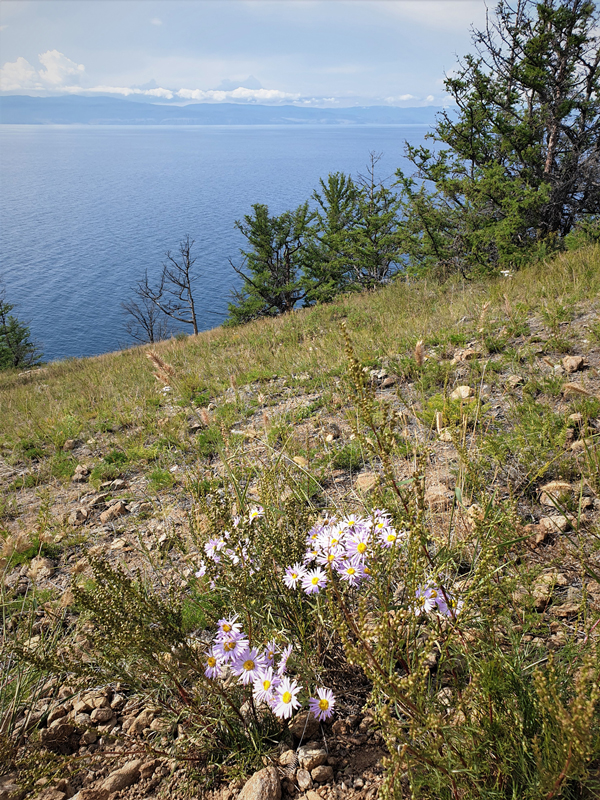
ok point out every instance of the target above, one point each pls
(173, 295)
(146, 322)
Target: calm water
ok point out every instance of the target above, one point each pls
(85, 210)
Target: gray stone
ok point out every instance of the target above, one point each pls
(123, 777)
(102, 715)
(322, 774)
(304, 725)
(311, 756)
(263, 785)
(304, 780)
(116, 510)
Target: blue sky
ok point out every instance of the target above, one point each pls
(308, 52)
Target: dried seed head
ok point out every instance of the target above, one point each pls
(161, 365)
(419, 353)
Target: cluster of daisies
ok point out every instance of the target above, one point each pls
(264, 670)
(345, 546)
(218, 550)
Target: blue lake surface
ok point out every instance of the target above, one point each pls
(85, 210)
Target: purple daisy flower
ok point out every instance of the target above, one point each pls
(314, 581)
(286, 700)
(213, 663)
(293, 575)
(265, 685)
(322, 705)
(247, 665)
(231, 646)
(285, 654)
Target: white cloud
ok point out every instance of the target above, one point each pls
(166, 94)
(19, 74)
(429, 99)
(220, 96)
(155, 21)
(57, 68)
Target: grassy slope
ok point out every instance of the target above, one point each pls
(81, 397)
(284, 377)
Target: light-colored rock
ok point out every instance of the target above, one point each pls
(465, 355)
(566, 610)
(311, 756)
(123, 777)
(312, 795)
(81, 474)
(69, 445)
(552, 493)
(304, 780)
(555, 524)
(322, 774)
(462, 393)
(263, 785)
(513, 381)
(544, 585)
(142, 721)
(78, 517)
(87, 738)
(304, 726)
(51, 794)
(116, 510)
(301, 461)
(10, 789)
(56, 713)
(288, 758)
(102, 715)
(573, 363)
(576, 418)
(366, 482)
(438, 497)
(148, 769)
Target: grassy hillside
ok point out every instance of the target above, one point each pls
(470, 411)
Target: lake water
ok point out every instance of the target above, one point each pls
(84, 211)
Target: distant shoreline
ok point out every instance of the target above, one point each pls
(69, 110)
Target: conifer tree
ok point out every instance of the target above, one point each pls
(16, 347)
(517, 164)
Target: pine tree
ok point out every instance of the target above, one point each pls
(516, 165)
(16, 347)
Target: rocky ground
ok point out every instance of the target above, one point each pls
(112, 734)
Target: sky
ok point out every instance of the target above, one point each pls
(305, 52)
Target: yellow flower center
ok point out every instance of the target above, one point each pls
(226, 628)
(315, 580)
(266, 685)
(212, 661)
(249, 665)
(361, 547)
(350, 570)
(294, 575)
(229, 646)
(335, 541)
(330, 557)
(391, 537)
(433, 594)
(323, 704)
(287, 697)
(367, 571)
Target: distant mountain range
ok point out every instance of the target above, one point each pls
(69, 110)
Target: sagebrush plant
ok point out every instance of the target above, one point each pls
(468, 708)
